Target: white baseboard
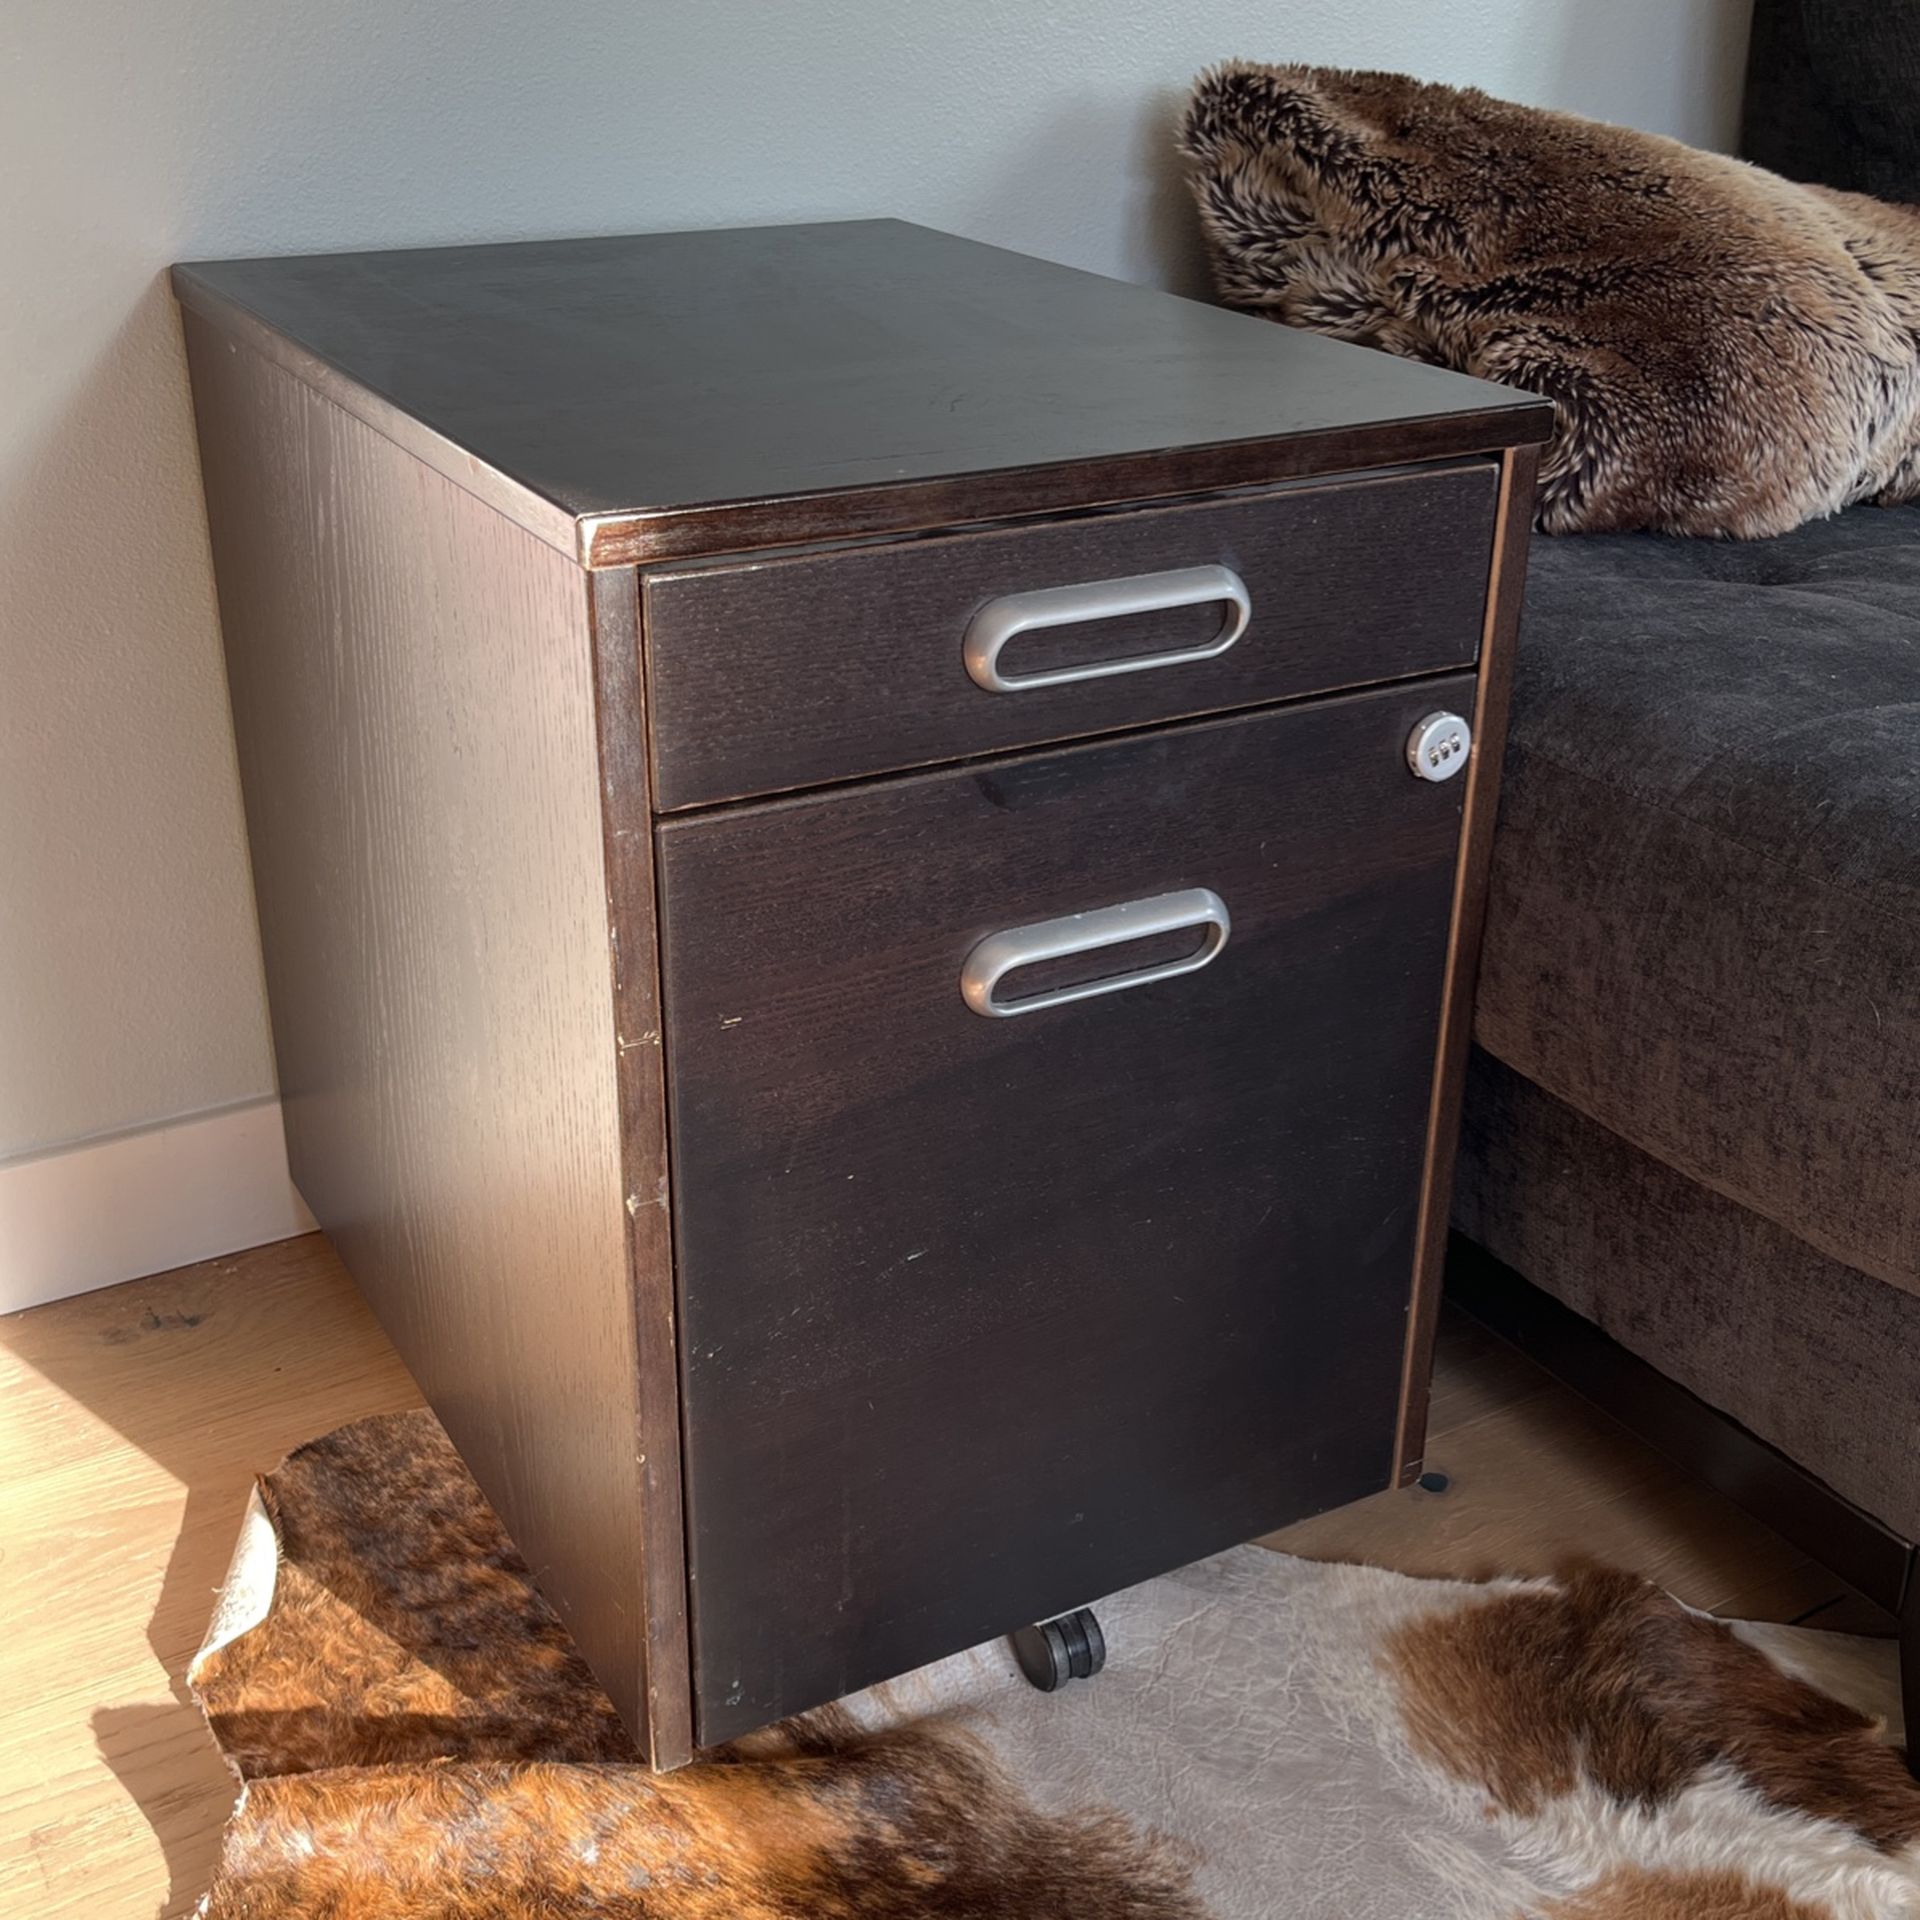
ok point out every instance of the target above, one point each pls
(108, 1210)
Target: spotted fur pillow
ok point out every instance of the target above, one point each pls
(1727, 352)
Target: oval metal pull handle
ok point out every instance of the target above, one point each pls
(1000, 953)
(1015, 613)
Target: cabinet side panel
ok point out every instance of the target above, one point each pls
(1506, 580)
(413, 697)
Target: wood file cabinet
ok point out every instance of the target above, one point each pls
(862, 966)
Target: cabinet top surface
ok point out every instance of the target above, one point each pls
(666, 395)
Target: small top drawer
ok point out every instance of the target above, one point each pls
(793, 672)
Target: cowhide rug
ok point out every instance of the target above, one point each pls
(416, 1737)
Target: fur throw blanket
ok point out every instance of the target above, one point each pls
(1726, 352)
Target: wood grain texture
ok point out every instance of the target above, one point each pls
(792, 672)
(132, 1422)
(688, 393)
(241, 328)
(620, 714)
(412, 681)
(985, 1318)
(1505, 588)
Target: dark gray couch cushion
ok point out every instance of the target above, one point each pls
(1833, 94)
(1810, 1354)
(1704, 930)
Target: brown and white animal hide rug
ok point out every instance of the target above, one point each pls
(416, 1737)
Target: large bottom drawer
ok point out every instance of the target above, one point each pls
(983, 1317)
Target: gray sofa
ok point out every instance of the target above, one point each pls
(1694, 1112)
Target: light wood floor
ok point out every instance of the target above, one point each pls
(131, 1422)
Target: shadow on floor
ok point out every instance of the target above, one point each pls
(213, 1373)
(162, 1755)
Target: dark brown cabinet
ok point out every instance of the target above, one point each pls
(1062, 1298)
(860, 968)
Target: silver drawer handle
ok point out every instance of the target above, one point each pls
(1000, 953)
(1015, 613)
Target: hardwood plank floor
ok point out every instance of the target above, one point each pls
(132, 1422)
(1537, 1477)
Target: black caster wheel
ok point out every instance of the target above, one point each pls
(1056, 1651)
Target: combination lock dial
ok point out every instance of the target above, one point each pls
(1438, 747)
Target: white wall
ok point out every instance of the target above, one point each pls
(132, 134)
